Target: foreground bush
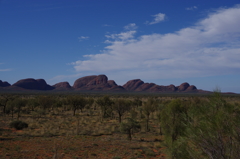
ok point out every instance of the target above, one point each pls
(19, 125)
(202, 129)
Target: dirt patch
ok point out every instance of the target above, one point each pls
(104, 147)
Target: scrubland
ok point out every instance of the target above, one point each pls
(116, 126)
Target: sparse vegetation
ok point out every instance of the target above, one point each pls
(120, 126)
(18, 125)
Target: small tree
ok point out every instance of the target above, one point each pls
(121, 106)
(159, 110)
(89, 105)
(32, 103)
(173, 122)
(10, 108)
(106, 106)
(46, 102)
(90, 101)
(19, 103)
(148, 108)
(213, 129)
(129, 127)
(76, 102)
(137, 102)
(4, 99)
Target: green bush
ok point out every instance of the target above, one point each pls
(19, 125)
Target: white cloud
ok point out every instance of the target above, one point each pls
(81, 38)
(121, 36)
(158, 18)
(131, 26)
(192, 8)
(210, 47)
(60, 78)
(5, 70)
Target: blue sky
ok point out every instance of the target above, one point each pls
(165, 42)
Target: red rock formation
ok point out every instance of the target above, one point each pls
(33, 84)
(42, 85)
(4, 84)
(183, 86)
(114, 86)
(117, 88)
(81, 82)
(132, 85)
(191, 88)
(96, 83)
(145, 87)
(171, 87)
(98, 80)
(62, 85)
(101, 79)
(157, 88)
(112, 83)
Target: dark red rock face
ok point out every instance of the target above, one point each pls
(145, 87)
(101, 79)
(62, 85)
(183, 86)
(132, 85)
(33, 84)
(98, 80)
(4, 84)
(83, 81)
(191, 88)
(139, 86)
(157, 88)
(117, 88)
(29, 83)
(42, 85)
(96, 83)
(112, 83)
(171, 87)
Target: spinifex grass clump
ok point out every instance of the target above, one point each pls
(19, 125)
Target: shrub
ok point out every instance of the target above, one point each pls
(130, 126)
(19, 125)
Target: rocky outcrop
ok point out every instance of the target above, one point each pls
(114, 86)
(172, 87)
(117, 88)
(81, 82)
(96, 83)
(98, 80)
(33, 84)
(157, 88)
(62, 86)
(92, 83)
(183, 86)
(4, 84)
(191, 88)
(132, 85)
(145, 87)
(99, 83)
(112, 83)
(138, 85)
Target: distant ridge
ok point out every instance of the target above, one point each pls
(98, 83)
